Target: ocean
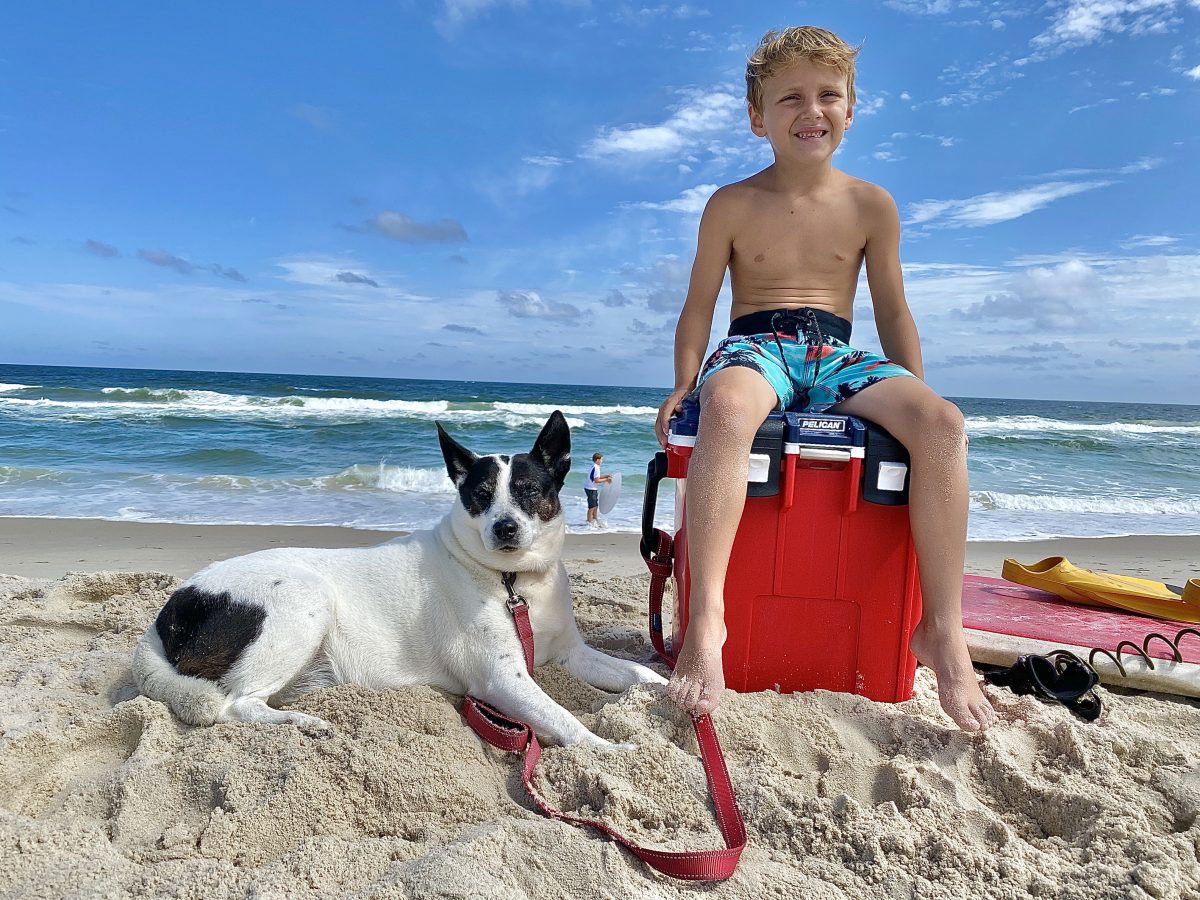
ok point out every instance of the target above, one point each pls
(237, 448)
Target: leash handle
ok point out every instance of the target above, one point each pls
(689, 865)
(517, 737)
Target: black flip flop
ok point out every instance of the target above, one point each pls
(1059, 676)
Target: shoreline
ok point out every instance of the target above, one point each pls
(49, 548)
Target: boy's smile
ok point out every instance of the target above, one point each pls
(805, 111)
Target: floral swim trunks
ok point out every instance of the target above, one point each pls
(803, 355)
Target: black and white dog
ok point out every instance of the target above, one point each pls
(428, 608)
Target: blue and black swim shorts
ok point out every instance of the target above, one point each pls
(803, 354)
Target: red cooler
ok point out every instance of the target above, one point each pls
(822, 588)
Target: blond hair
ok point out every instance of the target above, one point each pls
(779, 49)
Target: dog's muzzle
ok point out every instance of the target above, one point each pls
(505, 532)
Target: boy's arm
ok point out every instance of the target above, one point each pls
(713, 247)
(894, 321)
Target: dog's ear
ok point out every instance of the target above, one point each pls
(458, 458)
(553, 447)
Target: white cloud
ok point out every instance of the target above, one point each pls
(981, 82)
(1193, 73)
(404, 228)
(869, 107)
(1104, 102)
(336, 277)
(630, 15)
(921, 7)
(1149, 240)
(549, 162)
(1050, 298)
(981, 314)
(531, 305)
(701, 113)
(1084, 22)
(1145, 164)
(690, 201)
(457, 12)
(995, 206)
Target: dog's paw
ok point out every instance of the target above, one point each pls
(609, 745)
(596, 742)
(601, 744)
(311, 725)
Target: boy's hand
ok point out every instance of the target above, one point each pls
(672, 406)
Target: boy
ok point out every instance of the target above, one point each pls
(591, 489)
(794, 237)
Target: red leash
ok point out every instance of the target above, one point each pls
(517, 737)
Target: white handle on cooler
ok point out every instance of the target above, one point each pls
(833, 454)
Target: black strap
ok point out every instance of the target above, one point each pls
(1059, 676)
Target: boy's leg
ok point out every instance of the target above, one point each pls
(733, 402)
(931, 428)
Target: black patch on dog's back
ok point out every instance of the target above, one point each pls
(203, 634)
(478, 489)
(532, 488)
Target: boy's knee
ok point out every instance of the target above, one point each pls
(947, 418)
(938, 421)
(730, 407)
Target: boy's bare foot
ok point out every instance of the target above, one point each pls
(698, 679)
(958, 685)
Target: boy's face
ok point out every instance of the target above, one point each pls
(806, 111)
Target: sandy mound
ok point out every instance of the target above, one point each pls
(105, 795)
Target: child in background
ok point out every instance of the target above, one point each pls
(591, 489)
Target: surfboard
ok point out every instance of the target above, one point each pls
(610, 493)
(1005, 620)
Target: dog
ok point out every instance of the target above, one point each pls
(247, 634)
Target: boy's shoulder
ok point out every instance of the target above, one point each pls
(867, 192)
(761, 182)
(731, 203)
(863, 192)
(732, 193)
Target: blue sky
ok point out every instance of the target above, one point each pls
(510, 191)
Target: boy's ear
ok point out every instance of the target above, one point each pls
(458, 458)
(553, 447)
(756, 121)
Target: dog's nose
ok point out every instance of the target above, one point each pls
(505, 529)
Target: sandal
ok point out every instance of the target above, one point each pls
(1059, 676)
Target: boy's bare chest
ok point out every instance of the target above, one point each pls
(790, 241)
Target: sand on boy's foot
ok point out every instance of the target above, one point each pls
(105, 795)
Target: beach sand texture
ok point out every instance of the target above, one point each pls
(102, 795)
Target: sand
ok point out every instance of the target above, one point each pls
(105, 794)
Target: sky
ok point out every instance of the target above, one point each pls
(509, 191)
